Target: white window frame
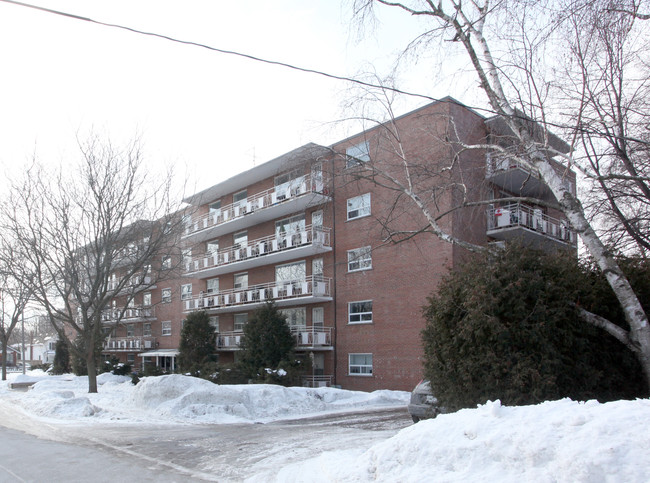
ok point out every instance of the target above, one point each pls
(317, 218)
(166, 263)
(146, 329)
(240, 198)
(186, 291)
(318, 317)
(146, 299)
(166, 328)
(360, 259)
(359, 206)
(242, 284)
(238, 326)
(130, 358)
(130, 330)
(357, 154)
(296, 317)
(215, 206)
(209, 289)
(214, 322)
(359, 316)
(317, 267)
(360, 368)
(243, 239)
(166, 295)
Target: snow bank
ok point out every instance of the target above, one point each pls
(560, 441)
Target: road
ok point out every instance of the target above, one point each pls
(227, 453)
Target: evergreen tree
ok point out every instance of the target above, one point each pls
(506, 327)
(267, 344)
(197, 349)
(61, 364)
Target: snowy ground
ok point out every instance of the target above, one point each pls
(559, 441)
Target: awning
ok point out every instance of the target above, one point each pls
(160, 353)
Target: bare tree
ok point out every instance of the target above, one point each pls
(514, 47)
(96, 234)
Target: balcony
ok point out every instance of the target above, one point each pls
(311, 289)
(263, 251)
(131, 314)
(307, 338)
(292, 197)
(123, 344)
(506, 173)
(517, 220)
(134, 284)
(317, 381)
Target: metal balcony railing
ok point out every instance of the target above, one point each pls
(133, 283)
(130, 314)
(317, 381)
(312, 286)
(298, 187)
(306, 337)
(129, 343)
(531, 218)
(312, 235)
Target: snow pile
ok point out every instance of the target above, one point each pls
(559, 441)
(184, 399)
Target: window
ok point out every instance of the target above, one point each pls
(186, 255)
(295, 317)
(214, 207)
(241, 281)
(317, 268)
(360, 364)
(318, 317)
(240, 322)
(290, 226)
(166, 295)
(130, 358)
(290, 272)
(239, 198)
(317, 218)
(288, 184)
(357, 154)
(359, 206)
(360, 312)
(359, 259)
(240, 239)
(166, 263)
(146, 330)
(130, 330)
(214, 322)
(211, 247)
(186, 291)
(212, 285)
(146, 299)
(167, 328)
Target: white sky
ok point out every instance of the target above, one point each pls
(209, 114)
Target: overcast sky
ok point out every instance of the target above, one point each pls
(209, 114)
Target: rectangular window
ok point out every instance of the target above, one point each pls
(186, 255)
(211, 247)
(359, 259)
(146, 330)
(130, 358)
(360, 312)
(317, 267)
(166, 295)
(240, 322)
(317, 218)
(360, 364)
(359, 206)
(214, 322)
(214, 207)
(241, 281)
(240, 239)
(167, 328)
(130, 330)
(212, 285)
(357, 154)
(166, 263)
(146, 299)
(239, 198)
(295, 317)
(289, 227)
(290, 272)
(186, 291)
(318, 317)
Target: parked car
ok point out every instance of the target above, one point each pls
(423, 405)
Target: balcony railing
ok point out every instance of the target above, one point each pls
(306, 338)
(279, 292)
(129, 343)
(133, 283)
(524, 216)
(315, 236)
(297, 188)
(130, 314)
(316, 381)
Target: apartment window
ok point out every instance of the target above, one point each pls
(212, 285)
(146, 299)
(360, 312)
(295, 317)
(211, 247)
(318, 317)
(166, 295)
(241, 281)
(360, 364)
(214, 207)
(240, 322)
(167, 328)
(359, 206)
(186, 291)
(146, 330)
(289, 227)
(317, 267)
(130, 358)
(214, 322)
(290, 272)
(240, 239)
(130, 330)
(239, 198)
(166, 263)
(317, 218)
(359, 259)
(357, 154)
(186, 255)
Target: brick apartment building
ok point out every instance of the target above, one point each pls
(312, 229)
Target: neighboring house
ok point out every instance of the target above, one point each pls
(13, 356)
(302, 230)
